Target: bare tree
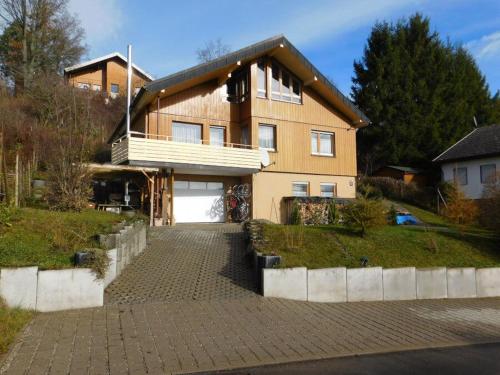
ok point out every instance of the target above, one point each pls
(39, 36)
(212, 50)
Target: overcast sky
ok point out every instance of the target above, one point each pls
(166, 34)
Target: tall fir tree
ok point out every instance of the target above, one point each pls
(421, 94)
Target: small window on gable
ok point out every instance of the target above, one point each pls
(261, 79)
(115, 88)
(285, 86)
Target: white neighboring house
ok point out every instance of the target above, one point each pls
(473, 161)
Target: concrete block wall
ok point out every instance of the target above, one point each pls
(377, 284)
(54, 290)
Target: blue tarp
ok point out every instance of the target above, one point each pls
(402, 219)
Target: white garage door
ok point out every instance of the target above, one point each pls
(198, 202)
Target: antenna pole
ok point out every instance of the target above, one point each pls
(129, 84)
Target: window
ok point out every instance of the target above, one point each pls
(82, 85)
(115, 88)
(96, 87)
(217, 135)
(267, 137)
(460, 175)
(488, 173)
(261, 79)
(237, 86)
(136, 90)
(186, 133)
(284, 85)
(300, 189)
(322, 143)
(275, 86)
(245, 139)
(328, 190)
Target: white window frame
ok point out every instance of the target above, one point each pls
(306, 183)
(83, 85)
(289, 97)
(275, 141)
(318, 133)
(334, 189)
(219, 127)
(262, 92)
(111, 88)
(186, 139)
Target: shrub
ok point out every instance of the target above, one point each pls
(460, 209)
(392, 215)
(363, 214)
(97, 260)
(6, 215)
(490, 205)
(370, 187)
(295, 217)
(332, 213)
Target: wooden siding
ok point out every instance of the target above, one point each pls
(104, 74)
(205, 104)
(117, 73)
(161, 151)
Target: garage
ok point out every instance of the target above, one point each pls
(198, 202)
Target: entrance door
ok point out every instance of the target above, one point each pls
(198, 202)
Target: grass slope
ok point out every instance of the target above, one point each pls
(388, 246)
(49, 239)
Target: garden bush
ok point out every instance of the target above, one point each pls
(363, 214)
(489, 206)
(373, 187)
(459, 208)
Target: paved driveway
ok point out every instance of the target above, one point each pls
(187, 304)
(187, 262)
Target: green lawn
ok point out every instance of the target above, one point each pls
(11, 322)
(49, 239)
(389, 246)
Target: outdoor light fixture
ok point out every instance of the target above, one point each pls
(162, 91)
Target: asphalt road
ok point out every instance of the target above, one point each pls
(475, 359)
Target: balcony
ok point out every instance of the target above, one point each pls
(138, 150)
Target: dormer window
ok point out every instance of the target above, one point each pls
(285, 86)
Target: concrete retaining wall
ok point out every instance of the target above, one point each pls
(290, 283)
(327, 285)
(377, 284)
(54, 290)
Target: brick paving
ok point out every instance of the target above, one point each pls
(191, 336)
(217, 322)
(187, 262)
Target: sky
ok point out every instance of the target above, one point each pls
(165, 34)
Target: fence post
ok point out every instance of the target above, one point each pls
(16, 186)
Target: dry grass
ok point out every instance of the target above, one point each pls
(11, 322)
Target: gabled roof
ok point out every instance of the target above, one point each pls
(405, 169)
(281, 49)
(104, 58)
(479, 143)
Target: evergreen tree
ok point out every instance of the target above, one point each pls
(421, 94)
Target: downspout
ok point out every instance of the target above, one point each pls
(129, 85)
